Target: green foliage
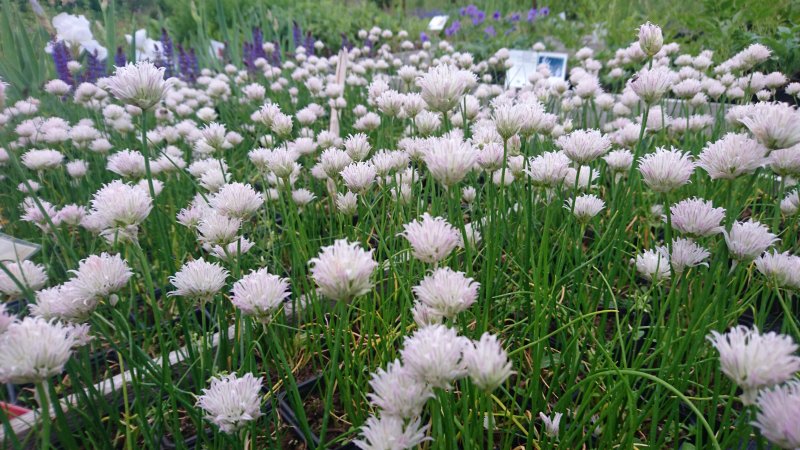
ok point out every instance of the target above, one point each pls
(22, 61)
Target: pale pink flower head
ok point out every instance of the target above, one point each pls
(237, 200)
(230, 402)
(443, 86)
(357, 146)
(230, 252)
(33, 350)
(447, 291)
(450, 159)
(548, 169)
(585, 206)
(778, 410)
(260, 294)
(748, 240)
(434, 354)
(510, 118)
(127, 164)
(347, 203)
(359, 176)
(773, 124)
(653, 265)
(666, 170)
(785, 162)
(27, 273)
(6, 318)
(487, 362)
(733, 155)
(755, 361)
(583, 146)
(217, 229)
(39, 216)
(397, 392)
(333, 161)
(77, 168)
(782, 269)
(619, 161)
(302, 197)
(791, 203)
(343, 271)
(199, 280)
(42, 159)
(685, 254)
(65, 303)
(431, 239)
(696, 217)
(391, 432)
(141, 84)
(651, 85)
(118, 205)
(100, 276)
(650, 38)
(551, 425)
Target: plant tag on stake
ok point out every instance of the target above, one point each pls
(523, 63)
(437, 23)
(557, 62)
(13, 249)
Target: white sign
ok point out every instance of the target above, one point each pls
(523, 63)
(557, 62)
(14, 250)
(438, 23)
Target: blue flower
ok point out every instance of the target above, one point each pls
(532, 13)
(423, 37)
(496, 15)
(544, 11)
(489, 31)
(514, 17)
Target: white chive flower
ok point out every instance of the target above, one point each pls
(748, 240)
(33, 350)
(447, 291)
(237, 200)
(650, 38)
(433, 354)
(551, 425)
(666, 169)
(343, 271)
(29, 274)
(141, 84)
(359, 176)
(487, 362)
(100, 276)
(585, 207)
(685, 254)
(778, 410)
(696, 217)
(443, 86)
(783, 269)
(260, 294)
(198, 280)
(584, 146)
(230, 402)
(391, 433)
(432, 239)
(733, 155)
(397, 392)
(653, 265)
(450, 159)
(548, 169)
(755, 361)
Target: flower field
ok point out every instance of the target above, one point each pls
(382, 247)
